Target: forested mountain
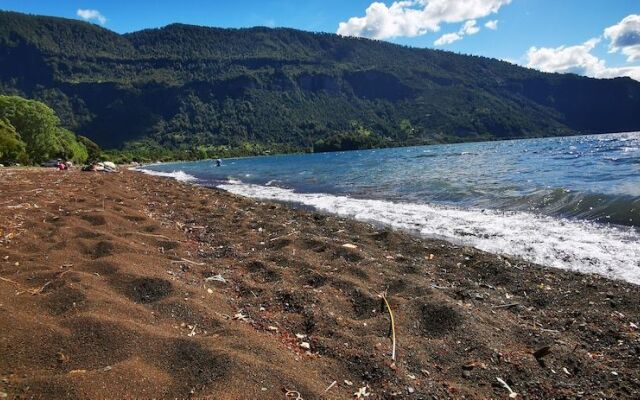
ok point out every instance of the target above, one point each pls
(185, 86)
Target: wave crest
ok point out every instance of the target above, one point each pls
(568, 244)
(177, 175)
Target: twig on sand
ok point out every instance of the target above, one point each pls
(23, 289)
(32, 291)
(281, 237)
(512, 394)
(152, 235)
(507, 305)
(187, 261)
(10, 281)
(393, 326)
(330, 386)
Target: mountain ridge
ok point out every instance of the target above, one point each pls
(185, 85)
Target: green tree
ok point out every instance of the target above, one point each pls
(406, 130)
(94, 152)
(35, 123)
(12, 149)
(69, 148)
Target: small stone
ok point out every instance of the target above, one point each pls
(17, 264)
(410, 390)
(466, 374)
(300, 336)
(107, 368)
(348, 383)
(210, 291)
(305, 345)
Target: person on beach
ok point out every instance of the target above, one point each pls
(218, 162)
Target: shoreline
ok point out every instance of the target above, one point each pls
(571, 244)
(112, 288)
(484, 140)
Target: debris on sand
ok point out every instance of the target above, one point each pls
(362, 392)
(215, 278)
(512, 394)
(306, 305)
(330, 386)
(240, 316)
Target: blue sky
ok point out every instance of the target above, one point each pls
(551, 35)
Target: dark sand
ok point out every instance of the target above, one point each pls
(103, 294)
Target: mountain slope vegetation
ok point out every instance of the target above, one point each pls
(185, 86)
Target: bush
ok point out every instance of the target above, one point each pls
(12, 149)
(94, 153)
(69, 148)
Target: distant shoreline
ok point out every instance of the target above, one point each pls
(116, 152)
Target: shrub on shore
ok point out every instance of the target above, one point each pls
(11, 147)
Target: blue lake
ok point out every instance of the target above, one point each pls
(571, 202)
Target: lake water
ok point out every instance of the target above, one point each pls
(571, 202)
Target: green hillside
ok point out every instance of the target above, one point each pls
(183, 86)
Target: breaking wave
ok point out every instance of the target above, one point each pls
(588, 247)
(177, 175)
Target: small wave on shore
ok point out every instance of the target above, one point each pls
(555, 242)
(177, 175)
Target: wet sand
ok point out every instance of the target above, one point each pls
(131, 286)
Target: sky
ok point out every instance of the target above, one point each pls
(598, 38)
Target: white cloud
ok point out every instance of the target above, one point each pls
(415, 17)
(89, 15)
(447, 38)
(469, 28)
(578, 60)
(493, 24)
(625, 37)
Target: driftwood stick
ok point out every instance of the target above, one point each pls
(153, 235)
(393, 327)
(507, 305)
(330, 386)
(187, 261)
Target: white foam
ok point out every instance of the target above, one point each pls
(569, 244)
(177, 175)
